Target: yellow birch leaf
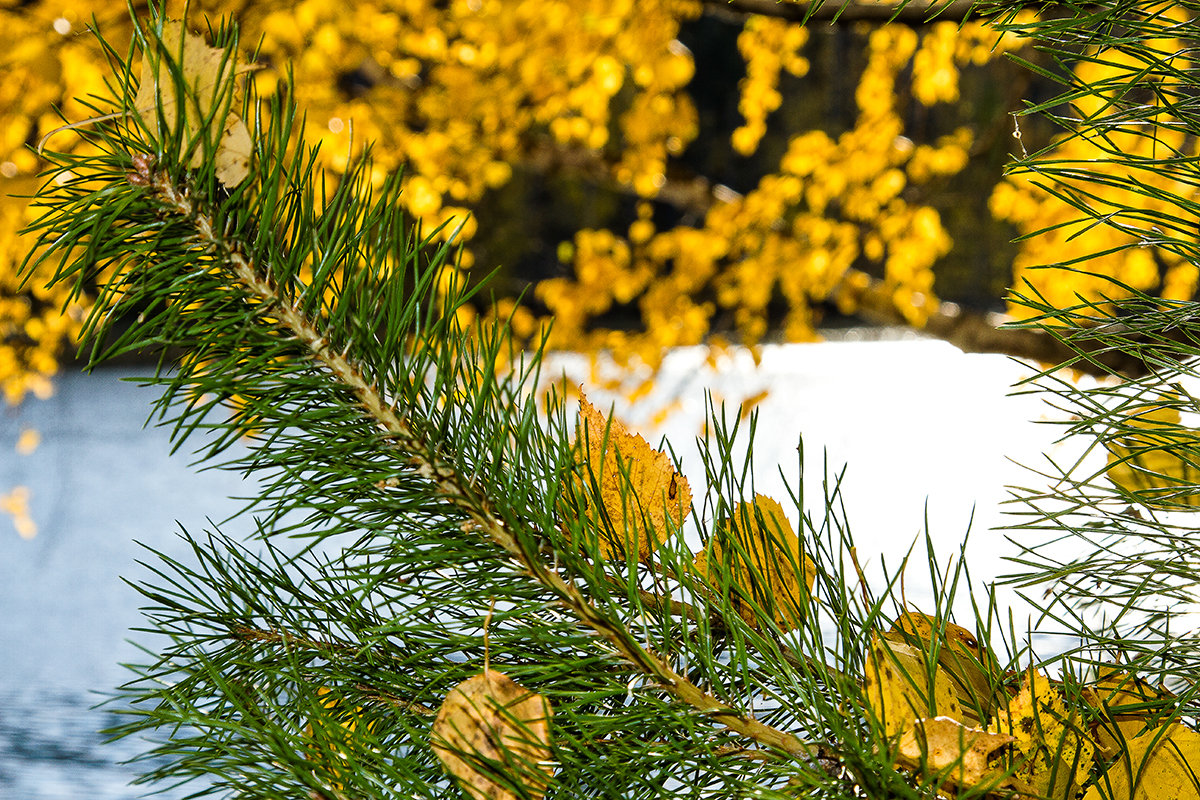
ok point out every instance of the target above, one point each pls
(959, 654)
(1051, 755)
(896, 684)
(1161, 764)
(493, 736)
(961, 756)
(208, 73)
(757, 556)
(233, 153)
(632, 491)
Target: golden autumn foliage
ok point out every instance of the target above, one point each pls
(467, 96)
(1121, 247)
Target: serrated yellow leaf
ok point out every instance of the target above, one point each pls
(1161, 764)
(896, 685)
(209, 73)
(631, 491)
(493, 736)
(757, 558)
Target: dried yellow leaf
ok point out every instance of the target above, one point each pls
(632, 491)
(961, 756)
(757, 558)
(1162, 764)
(899, 688)
(1051, 754)
(208, 73)
(493, 736)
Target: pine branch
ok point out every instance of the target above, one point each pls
(444, 533)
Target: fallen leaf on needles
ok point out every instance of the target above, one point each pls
(944, 747)
(209, 74)
(1128, 706)
(1051, 754)
(1161, 764)
(631, 490)
(959, 654)
(493, 736)
(756, 558)
(898, 690)
(329, 735)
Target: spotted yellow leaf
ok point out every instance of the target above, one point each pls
(900, 689)
(756, 558)
(629, 491)
(209, 73)
(959, 655)
(1051, 754)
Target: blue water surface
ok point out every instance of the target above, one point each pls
(99, 484)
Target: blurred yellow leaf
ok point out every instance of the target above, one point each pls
(1162, 764)
(16, 503)
(1051, 755)
(631, 489)
(959, 654)
(329, 736)
(757, 558)
(900, 689)
(208, 73)
(493, 736)
(960, 755)
(1158, 461)
(28, 441)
